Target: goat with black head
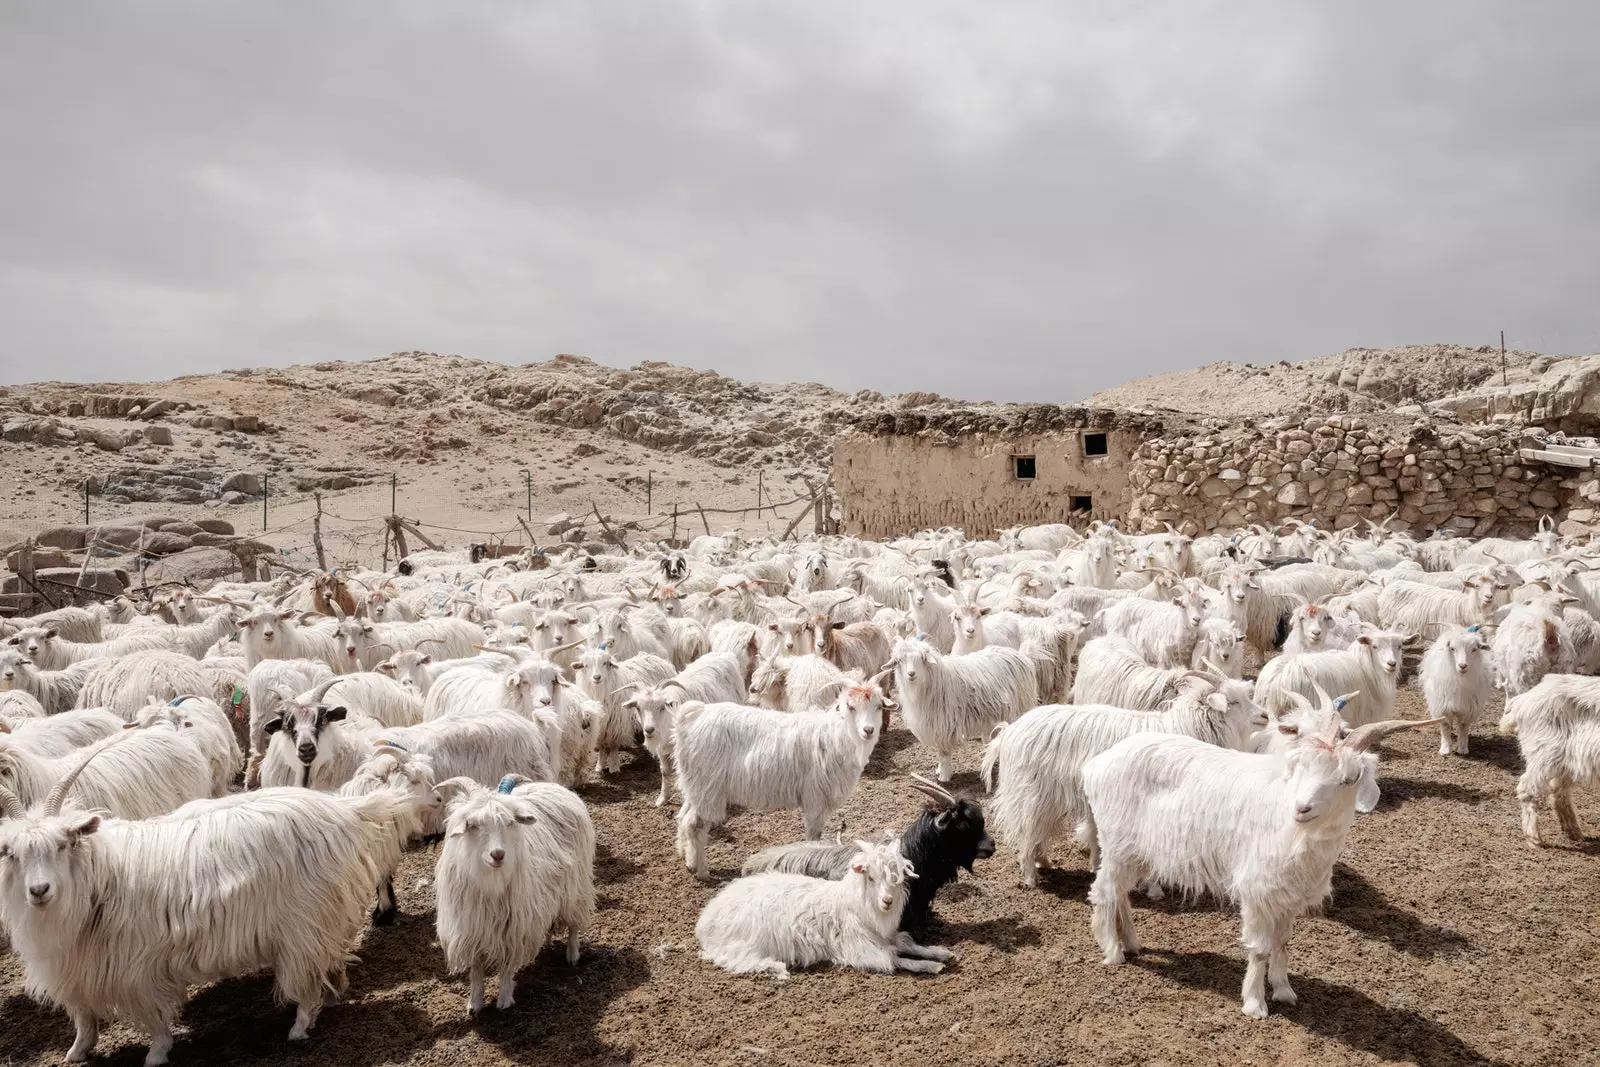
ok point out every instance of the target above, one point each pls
(947, 836)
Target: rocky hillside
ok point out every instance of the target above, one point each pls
(1356, 381)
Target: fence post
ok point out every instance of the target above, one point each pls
(528, 477)
(316, 535)
(649, 491)
(86, 501)
(264, 495)
(394, 489)
(674, 522)
(759, 473)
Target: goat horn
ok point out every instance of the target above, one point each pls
(1363, 738)
(14, 807)
(321, 690)
(562, 648)
(624, 689)
(499, 651)
(928, 787)
(58, 795)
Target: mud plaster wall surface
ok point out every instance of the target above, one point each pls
(891, 485)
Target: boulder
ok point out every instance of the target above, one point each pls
(241, 482)
(68, 537)
(199, 564)
(234, 497)
(42, 557)
(165, 543)
(215, 526)
(158, 435)
(75, 585)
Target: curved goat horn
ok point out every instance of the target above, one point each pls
(58, 795)
(13, 805)
(321, 690)
(1363, 738)
(933, 789)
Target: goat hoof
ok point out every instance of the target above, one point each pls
(385, 916)
(1285, 996)
(1255, 1009)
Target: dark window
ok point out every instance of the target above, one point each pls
(1023, 467)
(1082, 503)
(1094, 444)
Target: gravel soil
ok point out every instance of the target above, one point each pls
(1447, 942)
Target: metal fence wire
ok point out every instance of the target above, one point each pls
(104, 529)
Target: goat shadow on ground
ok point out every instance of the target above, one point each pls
(1335, 1012)
(1067, 883)
(890, 745)
(1396, 790)
(1503, 752)
(1005, 934)
(612, 869)
(558, 1008)
(234, 1021)
(1360, 905)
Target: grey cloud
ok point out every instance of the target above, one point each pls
(1030, 202)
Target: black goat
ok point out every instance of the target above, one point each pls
(946, 837)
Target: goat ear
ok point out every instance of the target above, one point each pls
(50, 632)
(1364, 640)
(837, 626)
(859, 868)
(1288, 729)
(513, 681)
(272, 726)
(88, 826)
(427, 657)
(942, 819)
(335, 714)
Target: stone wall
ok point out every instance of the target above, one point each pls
(1340, 470)
(1337, 470)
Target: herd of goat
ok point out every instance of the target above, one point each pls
(225, 781)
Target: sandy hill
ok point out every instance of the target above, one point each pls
(465, 440)
(1358, 380)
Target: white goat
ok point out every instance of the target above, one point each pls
(51, 736)
(55, 691)
(140, 773)
(1457, 684)
(1261, 830)
(107, 916)
(516, 861)
(1111, 671)
(946, 700)
(604, 678)
(203, 722)
(762, 760)
(1164, 631)
(1041, 757)
(799, 683)
(128, 683)
(1557, 725)
(1530, 642)
(767, 923)
(1368, 670)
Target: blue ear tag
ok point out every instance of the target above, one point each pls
(1472, 629)
(507, 784)
(1339, 703)
(392, 744)
(175, 701)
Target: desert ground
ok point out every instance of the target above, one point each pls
(1448, 942)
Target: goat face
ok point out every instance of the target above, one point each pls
(884, 873)
(1321, 772)
(1384, 646)
(956, 834)
(536, 683)
(795, 636)
(1465, 648)
(968, 619)
(866, 709)
(489, 828)
(653, 709)
(37, 855)
(304, 725)
(31, 641)
(11, 665)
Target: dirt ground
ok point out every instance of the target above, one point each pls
(1448, 942)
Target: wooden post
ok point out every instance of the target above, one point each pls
(394, 491)
(787, 530)
(316, 535)
(674, 536)
(759, 473)
(533, 542)
(649, 491)
(401, 552)
(86, 501)
(264, 502)
(616, 537)
(528, 476)
(1502, 361)
(703, 521)
(25, 582)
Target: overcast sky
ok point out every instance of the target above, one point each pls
(1000, 199)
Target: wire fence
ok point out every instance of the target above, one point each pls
(81, 541)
